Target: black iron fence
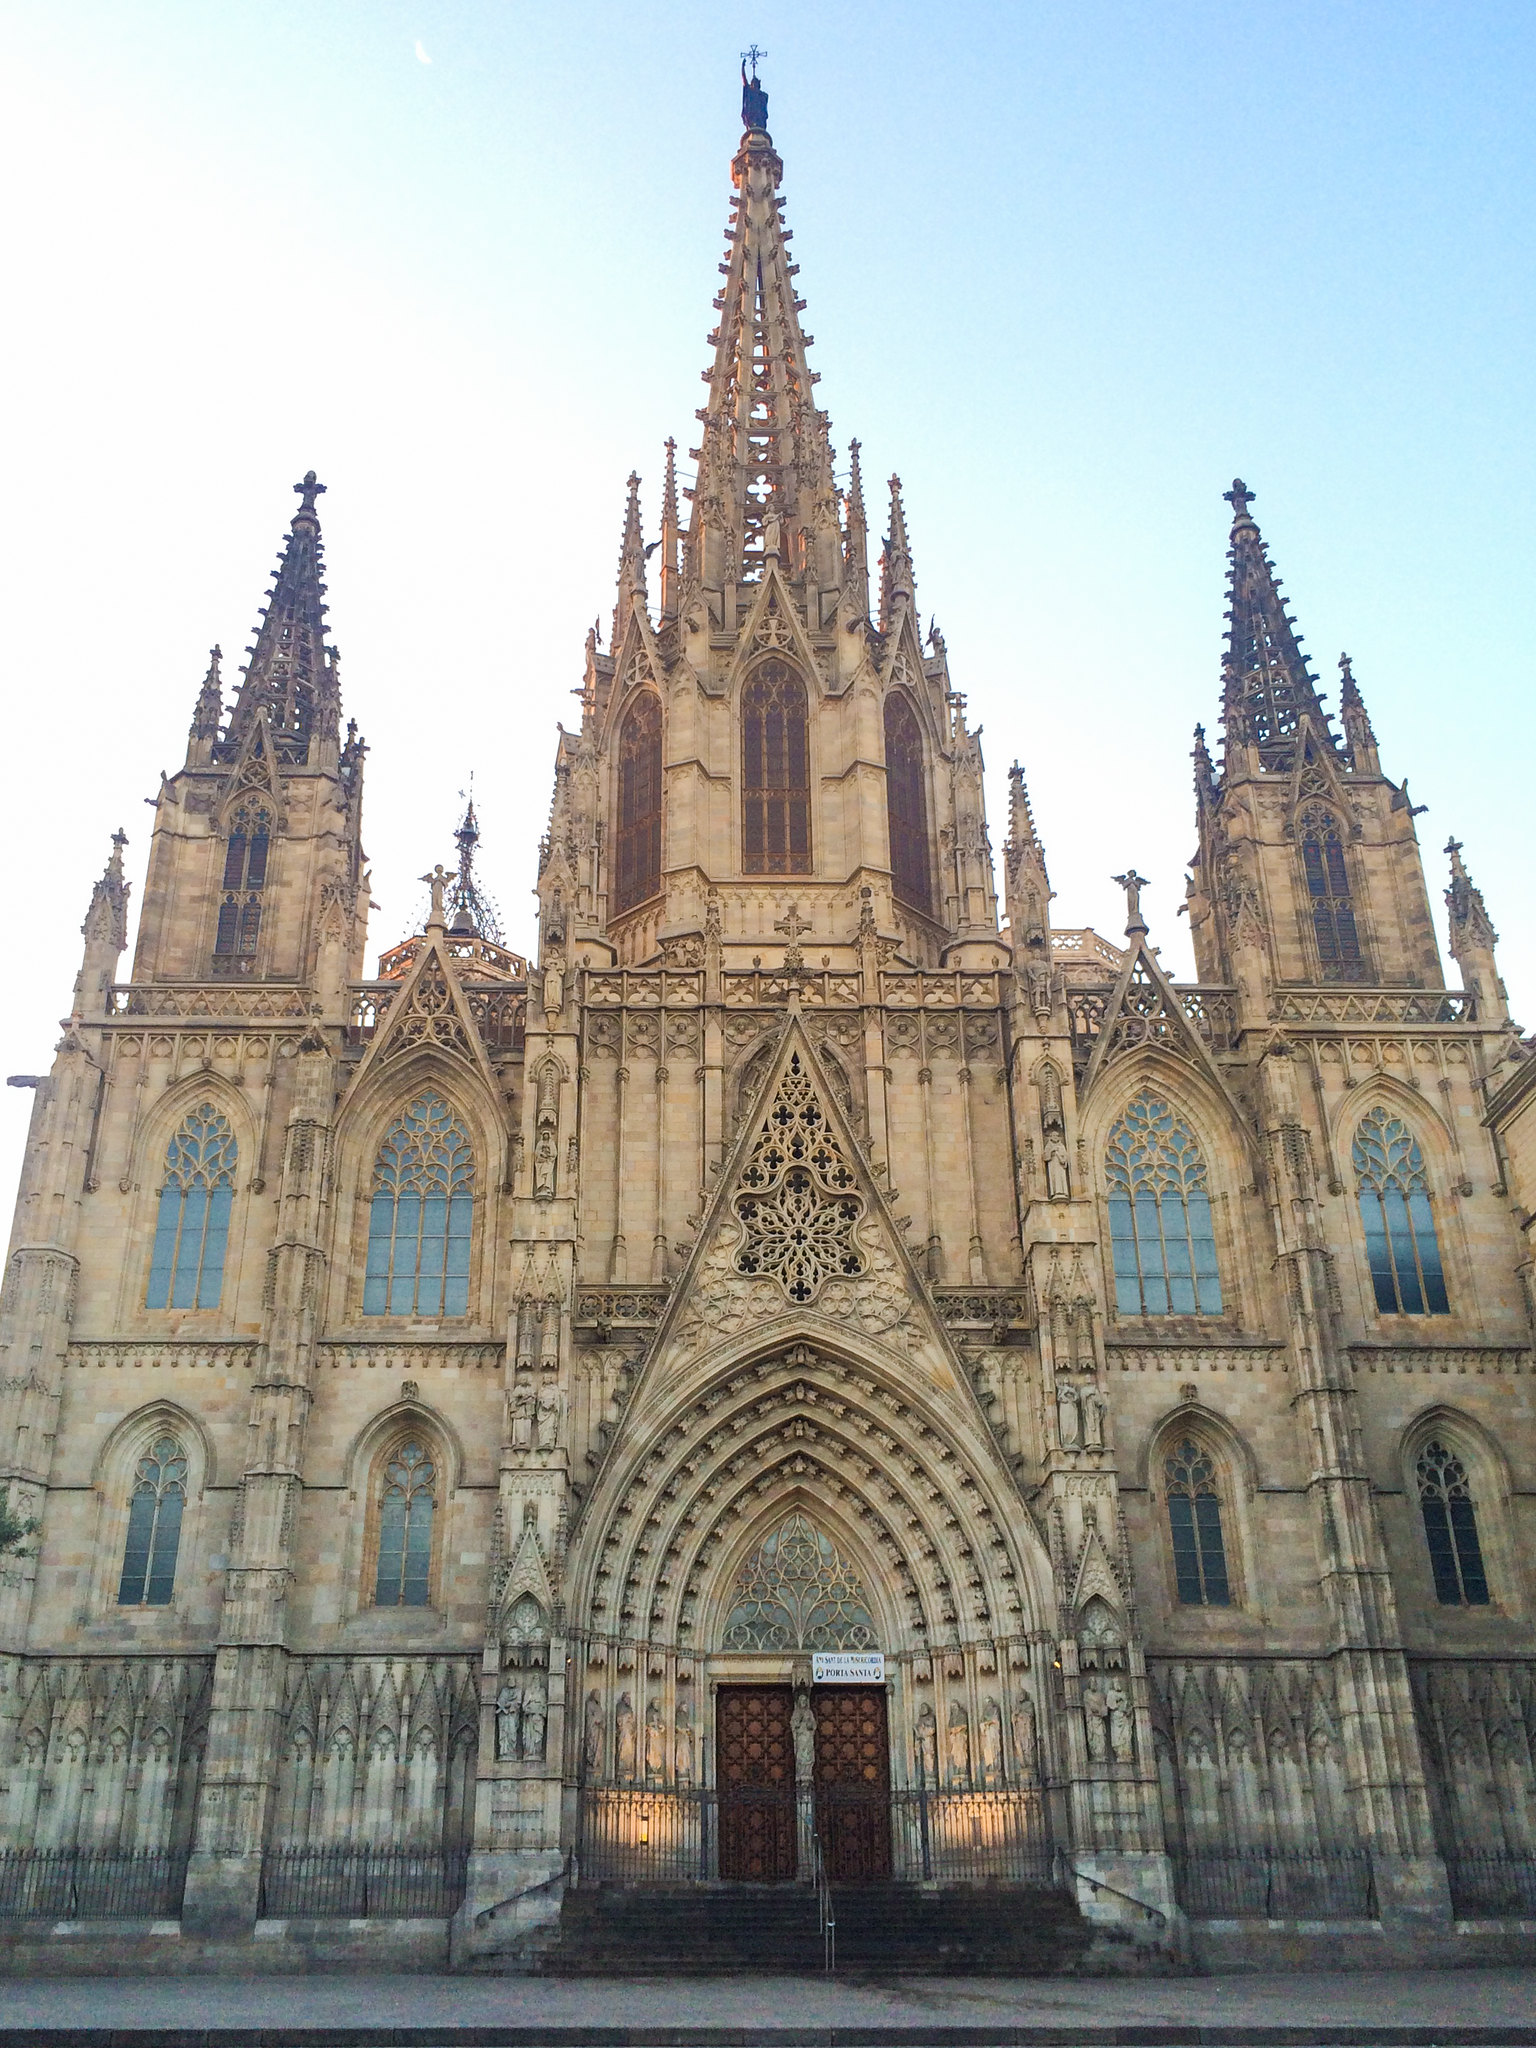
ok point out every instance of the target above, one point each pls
(1492, 1884)
(631, 1835)
(92, 1884)
(1260, 1884)
(360, 1882)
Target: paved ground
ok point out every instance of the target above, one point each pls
(1332, 2005)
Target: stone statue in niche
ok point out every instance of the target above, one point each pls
(655, 1742)
(1067, 1430)
(1058, 1172)
(545, 1160)
(959, 1744)
(802, 1729)
(546, 1127)
(509, 1721)
(522, 1404)
(683, 1747)
(1122, 1724)
(1096, 1721)
(991, 1743)
(592, 1736)
(535, 1718)
(1093, 1406)
(927, 1733)
(624, 1738)
(551, 1414)
(1025, 1738)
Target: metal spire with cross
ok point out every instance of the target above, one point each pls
(754, 100)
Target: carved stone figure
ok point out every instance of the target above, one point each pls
(802, 1728)
(655, 1742)
(1058, 1172)
(624, 1738)
(535, 1718)
(683, 1747)
(991, 1743)
(1093, 1406)
(1122, 1725)
(1025, 1738)
(959, 1740)
(592, 1736)
(545, 1159)
(551, 1414)
(522, 1416)
(1095, 1720)
(1066, 1416)
(509, 1721)
(927, 1732)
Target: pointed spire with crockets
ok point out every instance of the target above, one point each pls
(897, 584)
(1025, 880)
(856, 539)
(1359, 739)
(765, 463)
(468, 907)
(1267, 687)
(1473, 940)
(292, 674)
(631, 562)
(670, 531)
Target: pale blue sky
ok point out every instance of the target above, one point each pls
(1069, 267)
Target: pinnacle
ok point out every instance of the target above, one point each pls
(291, 674)
(1267, 686)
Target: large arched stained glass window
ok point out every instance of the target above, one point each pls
(775, 773)
(406, 1507)
(1321, 839)
(1194, 1525)
(420, 1222)
(1160, 1215)
(186, 1267)
(154, 1526)
(906, 804)
(637, 850)
(1450, 1528)
(1399, 1223)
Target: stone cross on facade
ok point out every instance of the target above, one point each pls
(1133, 884)
(1239, 498)
(792, 924)
(309, 490)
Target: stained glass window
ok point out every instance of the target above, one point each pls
(798, 1592)
(186, 1267)
(1399, 1223)
(1194, 1524)
(404, 1577)
(906, 804)
(245, 875)
(423, 1210)
(1333, 912)
(154, 1526)
(637, 853)
(775, 773)
(1450, 1529)
(1160, 1215)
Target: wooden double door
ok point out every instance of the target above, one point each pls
(850, 1783)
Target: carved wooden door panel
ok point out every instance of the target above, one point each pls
(853, 1782)
(755, 1771)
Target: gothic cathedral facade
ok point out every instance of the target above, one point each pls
(489, 1406)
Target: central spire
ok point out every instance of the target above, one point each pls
(765, 466)
(1268, 685)
(292, 673)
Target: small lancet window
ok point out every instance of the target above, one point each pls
(1399, 1224)
(775, 773)
(154, 1526)
(1328, 892)
(245, 876)
(637, 853)
(1450, 1528)
(186, 1267)
(1194, 1527)
(906, 804)
(1160, 1215)
(406, 1507)
(422, 1214)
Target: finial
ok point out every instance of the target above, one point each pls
(438, 881)
(754, 100)
(309, 490)
(1133, 884)
(1239, 498)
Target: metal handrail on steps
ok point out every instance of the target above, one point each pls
(825, 1911)
(1154, 1913)
(527, 1891)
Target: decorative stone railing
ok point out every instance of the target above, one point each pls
(621, 1307)
(1210, 1008)
(984, 1308)
(500, 1011)
(1350, 1006)
(204, 1002)
(1221, 1356)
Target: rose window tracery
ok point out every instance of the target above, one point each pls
(799, 1198)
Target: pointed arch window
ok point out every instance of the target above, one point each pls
(422, 1215)
(1399, 1224)
(906, 804)
(1321, 838)
(154, 1526)
(637, 853)
(186, 1266)
(1450, 1528)
(245, 876)
(775, 773)
(1160, 1215)
(407, 1506)
(1194, 1526)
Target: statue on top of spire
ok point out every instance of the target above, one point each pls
(754, 98)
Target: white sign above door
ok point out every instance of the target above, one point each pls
(848, 1667)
